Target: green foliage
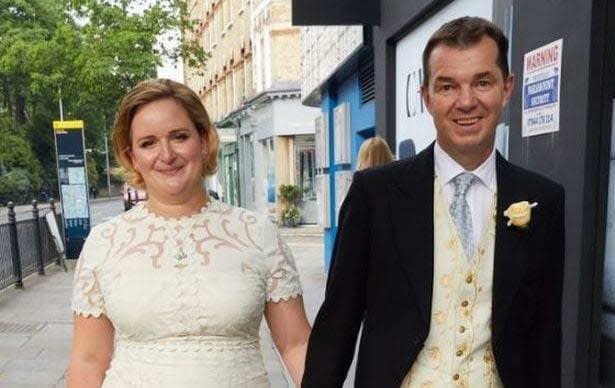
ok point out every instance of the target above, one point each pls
(92, 172)
(16, 155)
(15, 186)
(290, 216)
(290, 195)
(118, 175)
(86, 52)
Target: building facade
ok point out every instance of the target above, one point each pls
(578, 152)
(338, 78)
(276, 135)
(252, 88)
(226, 82)
(224, 32)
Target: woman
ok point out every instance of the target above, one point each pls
(373, 152)
(172, 292)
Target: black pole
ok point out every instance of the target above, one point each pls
(129, 199)
(14, 246)
(37, 238)
(60, 261)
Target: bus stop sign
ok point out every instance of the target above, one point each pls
(72, 184)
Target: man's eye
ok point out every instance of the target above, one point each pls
(446, 87)
(483, 83)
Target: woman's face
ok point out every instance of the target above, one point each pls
(167, 150)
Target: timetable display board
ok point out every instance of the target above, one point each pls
(72, 184)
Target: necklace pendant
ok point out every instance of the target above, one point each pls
(179, 256)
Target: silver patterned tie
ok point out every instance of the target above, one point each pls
(460, 211)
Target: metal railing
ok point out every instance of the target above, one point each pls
(26, 246)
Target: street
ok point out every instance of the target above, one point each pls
(36, 323)
(101, 209)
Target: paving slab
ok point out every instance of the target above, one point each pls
(36, 323)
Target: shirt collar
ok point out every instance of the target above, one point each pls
(447, 168)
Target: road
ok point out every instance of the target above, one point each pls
(101, 209)
(104, 209)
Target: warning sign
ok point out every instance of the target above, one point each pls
(541, 89)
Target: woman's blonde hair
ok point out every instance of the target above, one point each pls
(374, 152)
(153, 90)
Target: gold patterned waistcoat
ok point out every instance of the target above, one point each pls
(457, 352)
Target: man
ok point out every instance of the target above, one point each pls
(450, 291)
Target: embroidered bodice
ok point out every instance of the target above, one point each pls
(185, 296)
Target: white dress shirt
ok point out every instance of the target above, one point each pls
(480, 195)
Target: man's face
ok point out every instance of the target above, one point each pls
(465, 96)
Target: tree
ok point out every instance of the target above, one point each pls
(15, 186)
(92, 172)
(26, 23)
(87, 53)
(21, 172)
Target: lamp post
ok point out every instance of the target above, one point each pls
(107, 161)
(60, 103)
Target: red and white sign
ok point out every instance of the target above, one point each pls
(542, 69)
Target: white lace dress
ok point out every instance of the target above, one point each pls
(186, 297)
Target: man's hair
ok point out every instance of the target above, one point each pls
(153, 90)
(463, 33)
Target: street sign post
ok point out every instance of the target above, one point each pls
(72, 183)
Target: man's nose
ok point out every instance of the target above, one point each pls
(466, 98)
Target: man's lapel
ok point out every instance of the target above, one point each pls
(510, 256)
(411, 207)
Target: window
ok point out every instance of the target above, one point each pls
(607, 339)
(249, 87)
(236, 6)
(305, 165)
(214, 102)
(220, 20)
(227, 9)
(214, 28)
(262, 83)
(229, 90)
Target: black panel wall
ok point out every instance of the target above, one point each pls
(397, 17)
(317, 12)
(576, 156)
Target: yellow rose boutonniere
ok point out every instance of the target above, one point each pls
(519, 213)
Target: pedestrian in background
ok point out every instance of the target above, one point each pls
(374, 152)
(172, 292)
(452, 260)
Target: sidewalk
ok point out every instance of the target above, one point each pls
(35, 331)
(36, 323)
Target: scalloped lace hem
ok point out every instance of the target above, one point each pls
(88, 313)
(286, 297)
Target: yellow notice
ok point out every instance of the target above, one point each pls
(68, 124)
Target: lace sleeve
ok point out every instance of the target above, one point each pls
(87, 299)
(283, 278)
